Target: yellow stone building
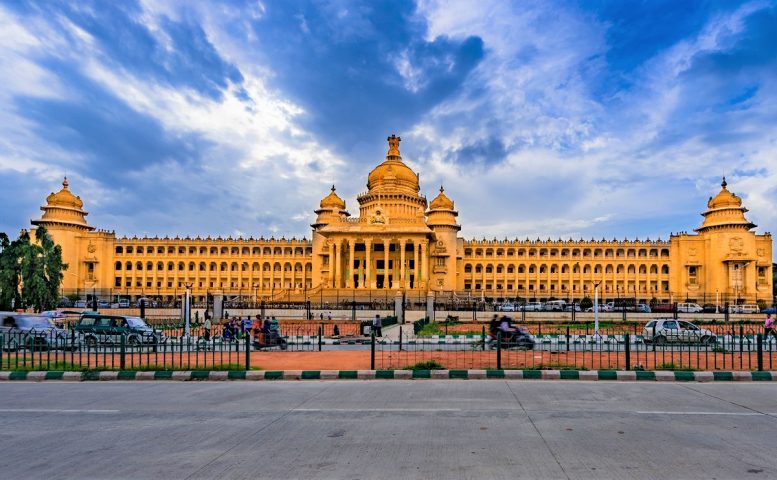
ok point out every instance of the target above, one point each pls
(401, 242)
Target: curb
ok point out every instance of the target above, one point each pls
(562, 375)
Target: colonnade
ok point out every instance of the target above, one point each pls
(372, 263)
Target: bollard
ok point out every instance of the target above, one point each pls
(499, 350)
(122, 351)
(628, 351)
(760, 346)
(372, 350)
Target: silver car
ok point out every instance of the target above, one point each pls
(34, 332)
(662, 331)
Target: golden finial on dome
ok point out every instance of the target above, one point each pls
(64, 183)
(393, 141)
(723, 183)
(442, 190)
(333, 187)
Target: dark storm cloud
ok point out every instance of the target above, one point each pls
(339, 61)
(125, 42)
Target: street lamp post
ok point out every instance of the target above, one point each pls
(596, 309)
(187, 309)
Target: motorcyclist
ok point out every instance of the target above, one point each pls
(506, 327)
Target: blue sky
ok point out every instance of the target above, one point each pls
(542, 119)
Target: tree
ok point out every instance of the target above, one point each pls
(30, 272)
(586, 303)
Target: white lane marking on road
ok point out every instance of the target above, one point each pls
(52, 410)
(739, 414)
(377, 410)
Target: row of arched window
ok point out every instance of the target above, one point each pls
(191, 250)
(213, 266)
(608, 269)
(568, 252)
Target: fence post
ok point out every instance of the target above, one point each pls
(628, 351)
(483, 337)
(372, 349)
(568, 338)
(400, 338)
(759, 340)
(320, 335)
(122, 350)
(499, 350)
(248, 351)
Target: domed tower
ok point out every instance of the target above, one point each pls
(392, 190)
(726, 260)
(441, 219)
(63, 210)
(87, 252)
(331, 211)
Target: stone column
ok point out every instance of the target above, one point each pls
(338, 261)
(368, 266)
(401, 283)
(386, 264)
(349, 270)
(415, 264)
(424, 261)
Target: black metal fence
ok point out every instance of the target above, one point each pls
(729, 347)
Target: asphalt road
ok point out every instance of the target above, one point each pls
(388, 429)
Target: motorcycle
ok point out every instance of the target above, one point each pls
(520, 339)
(269, 340)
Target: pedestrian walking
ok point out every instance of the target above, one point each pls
(207, 326)
(769, 326)
(377, 325)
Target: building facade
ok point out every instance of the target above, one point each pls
(401, 242)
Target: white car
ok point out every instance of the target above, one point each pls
(533, 307)
(686, 307)
(603, 307)
(743, 309)
(505, 307)
(669, 330)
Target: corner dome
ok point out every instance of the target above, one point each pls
(333, 201)
(64, 198)
(724, 198)
(441, 201)
(393, 171)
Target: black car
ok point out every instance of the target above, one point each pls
(108, 329)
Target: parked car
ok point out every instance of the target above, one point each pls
(669, 330)
(64, 302)
(555, 305)
(688, 307)
(107, 329)
(533, 306)
(710, 308)
(572, 306)
(505, 307)
(103, 304)
(603, 307)
(743, 308)
(34, 332)
(642, 308)
(149, 303)
(662, 308)
(124, 303)
(772, 310)
(79, 304)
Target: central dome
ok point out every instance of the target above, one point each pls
(393, 174)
